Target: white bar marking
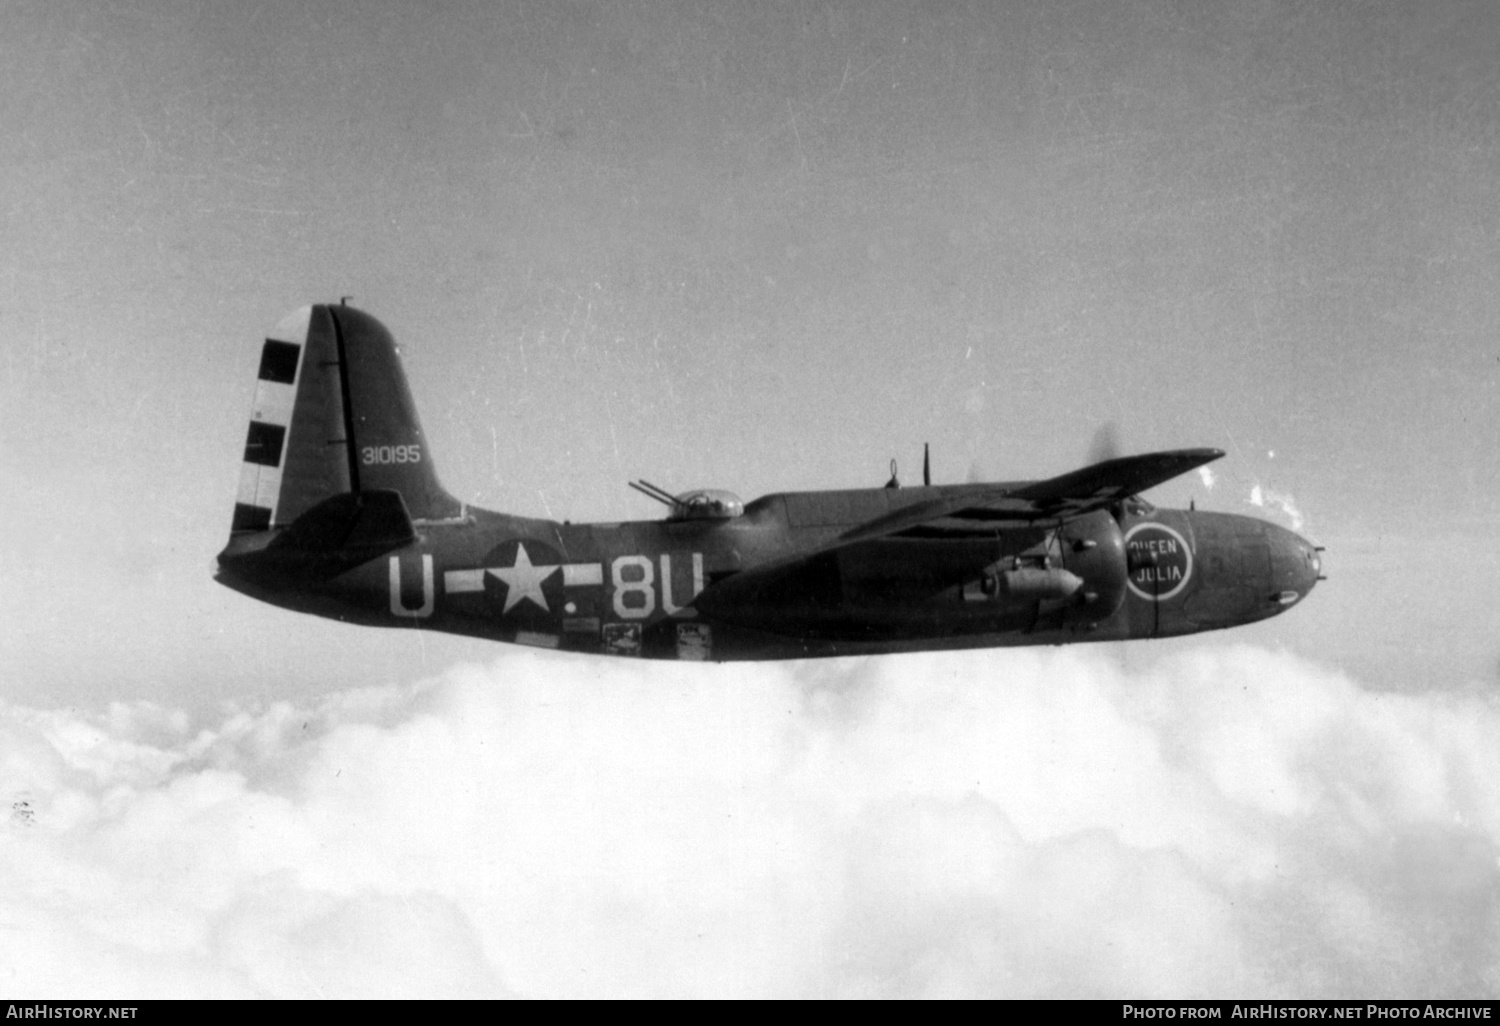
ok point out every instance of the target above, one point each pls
(577, 575)
(273, 402)
(456, 582)
(268, 489)
(294, 328)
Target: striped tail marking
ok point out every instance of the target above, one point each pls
(270, 421)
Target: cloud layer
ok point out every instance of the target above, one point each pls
(1029, 823)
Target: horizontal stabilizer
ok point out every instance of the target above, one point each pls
(329, 539)
(362, 523)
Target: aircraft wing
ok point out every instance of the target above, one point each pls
(1058, 498)
(764, 591)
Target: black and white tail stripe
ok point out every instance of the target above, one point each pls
(270, 419)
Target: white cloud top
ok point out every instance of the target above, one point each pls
(1230, 821)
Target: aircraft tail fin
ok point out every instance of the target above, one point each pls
(333, 415)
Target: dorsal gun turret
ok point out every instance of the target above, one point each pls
(698, 504)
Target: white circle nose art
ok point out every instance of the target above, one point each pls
(1160, 559)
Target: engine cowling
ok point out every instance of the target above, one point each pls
(1076, 575)
(1093, 548)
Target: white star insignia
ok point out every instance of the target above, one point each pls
(523, 581)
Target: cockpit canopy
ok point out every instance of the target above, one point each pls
(706, 504)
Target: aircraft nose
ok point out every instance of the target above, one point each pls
(1296, 565)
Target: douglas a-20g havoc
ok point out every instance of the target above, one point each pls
(340, 514)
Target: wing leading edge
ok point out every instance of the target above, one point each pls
(1058, 498)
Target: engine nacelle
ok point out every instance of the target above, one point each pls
(1094, 548)
(1075, 576)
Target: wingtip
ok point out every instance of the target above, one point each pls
(1185, 460)
(1195, 457)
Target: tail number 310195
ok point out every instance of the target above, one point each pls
(372, 455)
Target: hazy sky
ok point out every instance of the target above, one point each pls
(759, 247)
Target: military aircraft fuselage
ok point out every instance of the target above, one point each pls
(340, 514)
(642, 588)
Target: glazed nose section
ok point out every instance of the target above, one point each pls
(1296, 565)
